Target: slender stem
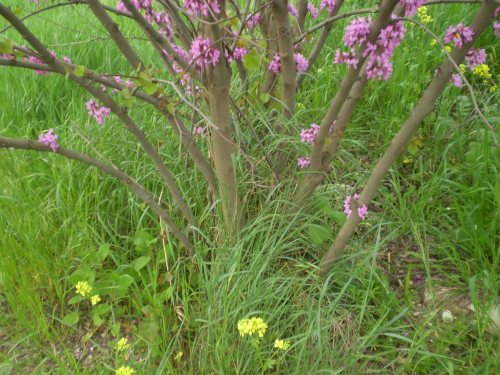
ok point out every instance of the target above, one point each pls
(106, 99)
(136, 188)
(399, 142)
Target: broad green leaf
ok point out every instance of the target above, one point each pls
(251, 60)
(6, 46)
(148, 331)
(79, 71)
(71, 318)
(144, 242)
(150, 88)
(75, 299)
(82, 274)
(318, 234)
(103, 252)
(97, 319)
(140, 263)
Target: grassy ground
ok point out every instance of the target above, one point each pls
(430, 243)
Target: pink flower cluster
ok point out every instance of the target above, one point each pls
(49, 138)
(97, 112)
(162, 19)
(202, 52)
(196, 7)
(357, 32)
(275, 64)
(301, 63)
(292, 10)
(36, 60)
(309, 135)
(459, 34)
(303, 162)
(330, 4)
(362, 210)
(199, 131)
(380, 53)
(475, 56)
(456, 80)
(238, 54)
(496, 24)
(350, 58)
(313, 10)
(253, 20)
(411, 6)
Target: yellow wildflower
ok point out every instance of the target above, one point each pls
(482, 70)
(434, 42)
(95, 299)
(462, 68)
(178, 356)
(447, 48)
(251, 326)
(83, 288)
(423, 15)
(122, 345)
(493, 88)
(281, 344)
(125, 371)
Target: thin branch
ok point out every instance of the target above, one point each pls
(58, 5)
(399, 142)
(108, 102)
(139, 190)
(458, 71)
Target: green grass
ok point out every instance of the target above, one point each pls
(435, 218)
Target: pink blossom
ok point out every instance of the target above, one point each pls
(496, 28)
(458, 34)
(97, 112)
(456, 80)
(36, 60)
(253, 20)
(196, 7)
(357, 31)
(198, 131)
(363, 211)
(301, 62)
(292, 10)
(379, 53)
(275, 64)
(303, 162)
(411, 6)
(67, 60)
(239, 53)
(350, 58)
(313, 10)
(49, 139)
(202, 52)
(331, 4)
(475, 56)
(309, 135)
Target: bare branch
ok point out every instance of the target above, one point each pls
(399, 142)
(139, 190)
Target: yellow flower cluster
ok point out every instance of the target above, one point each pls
(281, 344)
(423, 15)
(122, 345)
(482, 70)
(178, 356)
(83, 288)
(493, 88)
(95, 299)
(125, 371)
(463, 69)
(251, 326)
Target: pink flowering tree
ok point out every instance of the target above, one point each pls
(207, 48)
